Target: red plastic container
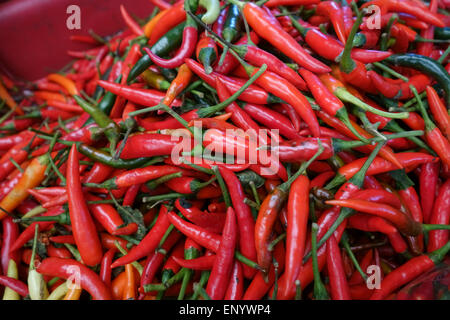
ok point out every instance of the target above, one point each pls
(34, 36)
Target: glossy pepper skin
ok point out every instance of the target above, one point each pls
(89, 280)
(261, 22)
(85, 232)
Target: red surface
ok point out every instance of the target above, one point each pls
(34, 37)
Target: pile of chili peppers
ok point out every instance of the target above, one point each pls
(349, 108)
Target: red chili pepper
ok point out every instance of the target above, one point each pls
(230, 62)
(244, 216)
(428, 179)
(258, 57)
(223, 264)
(408, 271)
(379, 165)
(146, 97)
(339, 287)
(134, 27)
(414, 8)
(253, 94)
(148, 145)
(297, 218)
(402, 221)
(370, 224)
(187, 48)
(378, 196)
(9, 237)
(28, 233)
(440, 215)
(439, 111)
(261, 285)
(83, 227)
(334, 12)
(399, 89)
(155, 260)
(202, 263)
(211, 221)
(235, 290)
(150, 241)
(14, 284)
(261, 22)
(65, 268)
(63, 239)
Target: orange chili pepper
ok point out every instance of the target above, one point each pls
(9, 100)
(64, 82)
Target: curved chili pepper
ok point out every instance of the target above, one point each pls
(155, 260)
(371, 224)
(206, 52)
(245, 220)
(14, 284)
(261, 285)
(83, 227)
(427, 66)
(428, 180)
(223, 264)
(290, 94)
(334, 12)
(150, 241)
(105, 268)
(258, 57)
(178, 84)
(190, 36)
(433, 135)
(235, 289)
(9, 237)
(329, 48)
(408, 271)
(64, 268)
(253, 94)
(261, 22)
(439, 111)
(339, 287)
(297, 216)
(31, 178)
(440, 215)
(211, 221)
(134, 27)
(398, 89)
(407, 6)
(271, 119)
(168, 40)
(146, 97)
(404, 223)
(230, 62)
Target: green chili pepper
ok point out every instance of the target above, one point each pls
(167, 43)
(426, 65)
(442, 33)
(212, 10)
(232, 25)
(112, 130)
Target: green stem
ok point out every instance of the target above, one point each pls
(346, 63)
(346, 96)
(390, 71)
(223, 187)
(320, 292)
(345, 243)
